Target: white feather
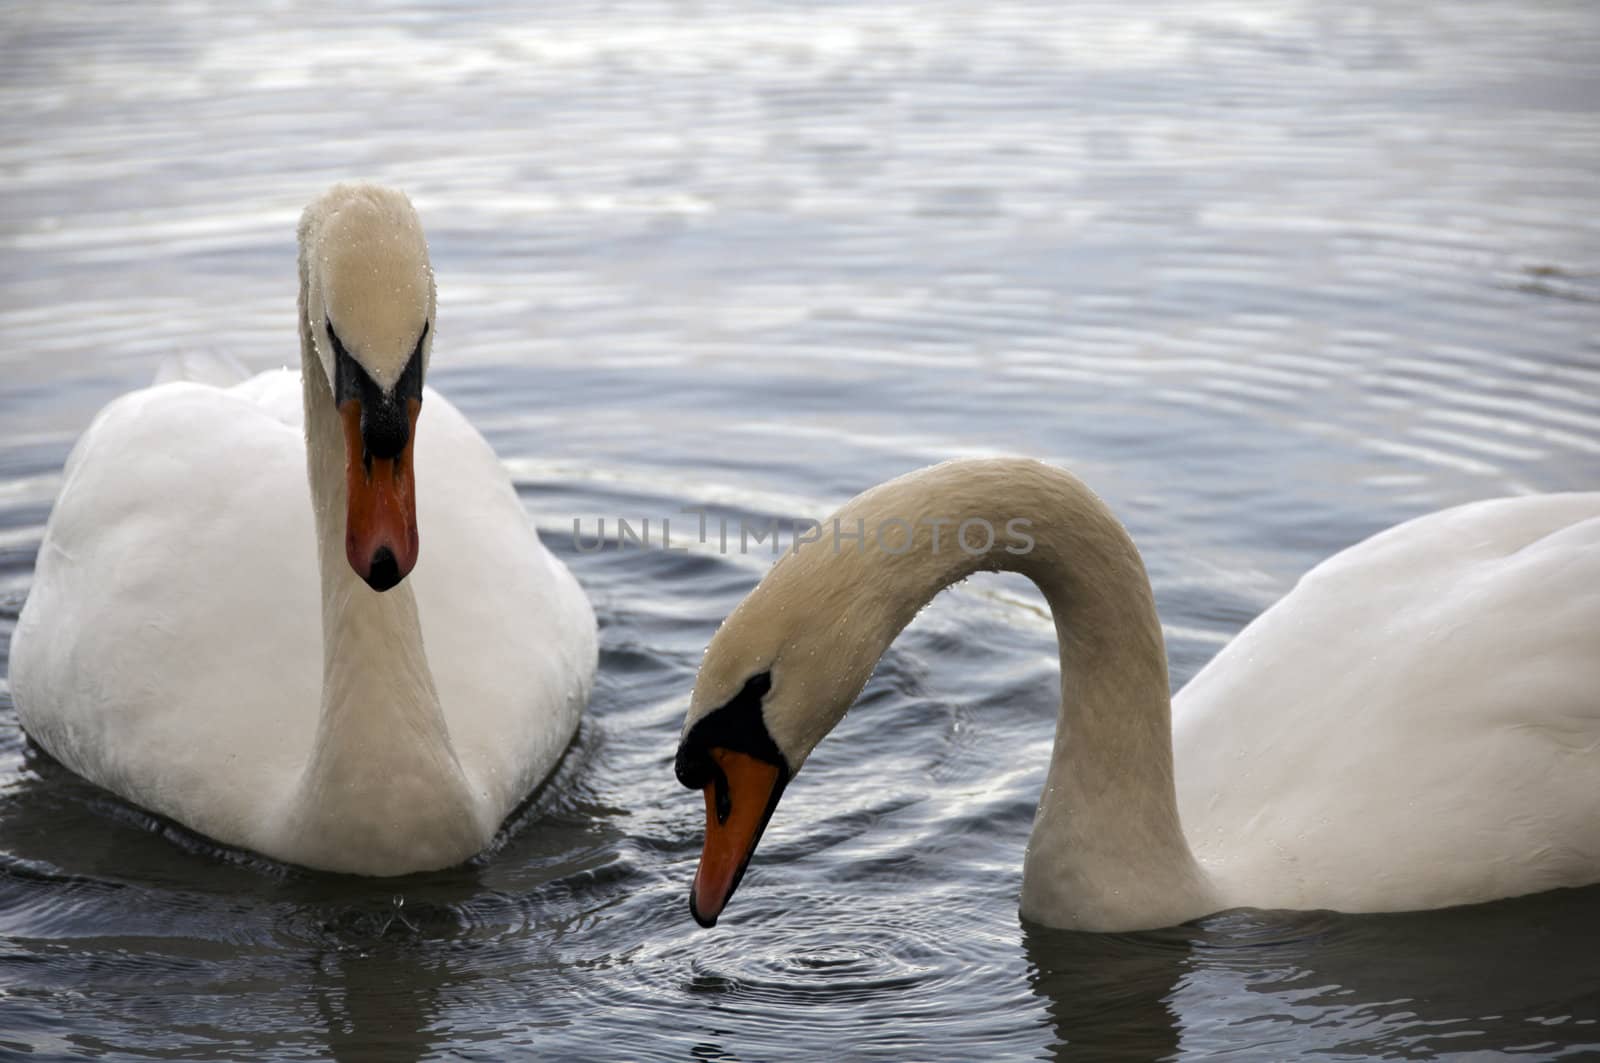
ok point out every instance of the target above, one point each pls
(171, 647)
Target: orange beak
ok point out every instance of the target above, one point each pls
(380, 538)
(739, 802)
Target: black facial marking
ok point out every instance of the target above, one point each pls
(385, 417)
(736, 726)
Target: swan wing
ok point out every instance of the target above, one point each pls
(510, 635)
(170, 646)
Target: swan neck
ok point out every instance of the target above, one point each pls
(1108, 849)
(383, 768)
(371, 641)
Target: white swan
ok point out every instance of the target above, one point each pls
(198, 639)
(1416, 725)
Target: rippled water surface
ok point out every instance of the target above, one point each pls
(1270, 276)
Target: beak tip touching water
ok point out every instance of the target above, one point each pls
(705, 920)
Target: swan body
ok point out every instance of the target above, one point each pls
(196, 642)
(1415, 725)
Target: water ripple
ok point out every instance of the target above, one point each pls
(1271, 277)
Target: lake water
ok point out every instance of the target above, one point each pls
(1270, 276)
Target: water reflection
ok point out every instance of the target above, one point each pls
(1517, 975)
(379, 992)
(1108, 995)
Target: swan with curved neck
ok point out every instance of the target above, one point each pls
(170, 648)
(1387, 681)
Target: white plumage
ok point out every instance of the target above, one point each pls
(179, 647)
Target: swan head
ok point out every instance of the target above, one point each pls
(368, 301)
(779, 674)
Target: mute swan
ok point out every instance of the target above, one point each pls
(172, 648)
(1416, 725)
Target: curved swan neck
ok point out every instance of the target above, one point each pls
(1108, 849)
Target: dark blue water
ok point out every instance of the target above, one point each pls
(1270, 277)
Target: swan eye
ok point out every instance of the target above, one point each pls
(755, 688)
(338, 347)
(410, 383)
(738, 726)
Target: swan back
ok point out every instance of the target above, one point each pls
(1415, 724)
